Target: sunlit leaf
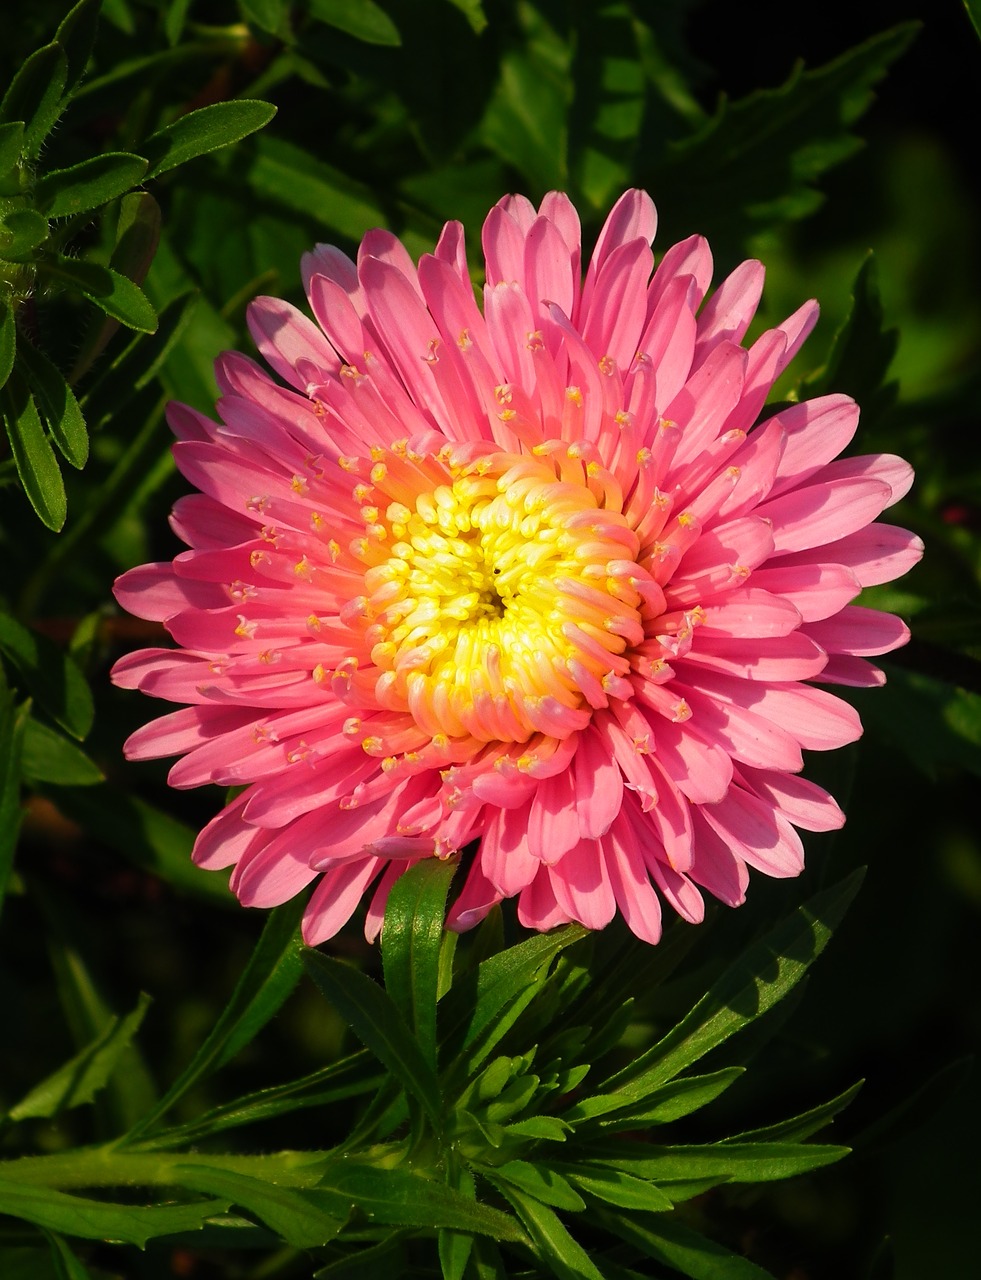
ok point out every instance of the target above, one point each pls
(293, 1214)
(114, 293)
(362, 19)
(204, 130)
(563, 1255)
(48, 756)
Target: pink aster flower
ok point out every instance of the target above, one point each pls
(530, 576)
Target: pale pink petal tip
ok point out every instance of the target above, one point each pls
(528, 586)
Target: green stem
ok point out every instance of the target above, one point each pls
(106, 1166)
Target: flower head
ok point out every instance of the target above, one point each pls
(531, 576)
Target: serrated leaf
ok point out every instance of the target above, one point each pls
(556, 1248)
(34, 95)
(76, 35)
(616, 1187)
(759, 159)
(411, 939)
(8, 341)
(295, 1215)
(362, 19)
(51, 676)
(373, 1017)
(403, 1199)
(542, 1182)
(665, 1103)
(11, 145)
(730, 1162)
(207, 129)
(81, 1078)
(48, 756)
(114, 293)
(88, 184)
(21, 231)
(273, 971)
(675, 1245)
(33, 455)
(101, 1219)
(57, 404)
(764, 975)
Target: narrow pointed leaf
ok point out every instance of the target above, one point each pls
(101, 1219)
(34, 95)
(48, 756)
(411, 941)
(33, 455)
(114, 293)
(51, 676)
(542, 1182)
(618, 1188)
(12, 721)
(270, 976)
(58, 406)
(731, 1162)
(204, 130)
(373, 1017)
(88, 184)
(293, 1214)
(81, 1078)
(675, 1245)
(800, 1127)
(665, 1103)
(556, 1249)
(364, 20)
(376, 1262)
(765, 974)
(67, 1265)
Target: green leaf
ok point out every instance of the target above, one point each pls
(373, 1017)
(101, 1219)
(665, 1103)
(289, 176)
(729, 1162)
(544, 1183)
(12, 721)
(146, 835)
(362, 19)
(759, 159)
(294, 1215)
(269, 15)
(374, 1262)
(403, 1199)
(765, 974)
(67, 1266)
(562, 1255)
(204, 130)
(973, 8)
(81, 1078)
(473, 11)
(57, 403)
(455, 1247)
(34, 95)
(88, 184)
(799, 1127)
(8, 341)
(616, 1187)
(675, 1245)
(76, 35)
(11, 145)
(51, 676)
(47, 756)
(114, 293)
(175, 17)
(273, 971)
(526, 121)
(21, 231)
(33, 455)
(411, 939)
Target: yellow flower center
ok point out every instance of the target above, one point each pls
(501, 600)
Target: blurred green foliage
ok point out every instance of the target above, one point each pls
(161, 162)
